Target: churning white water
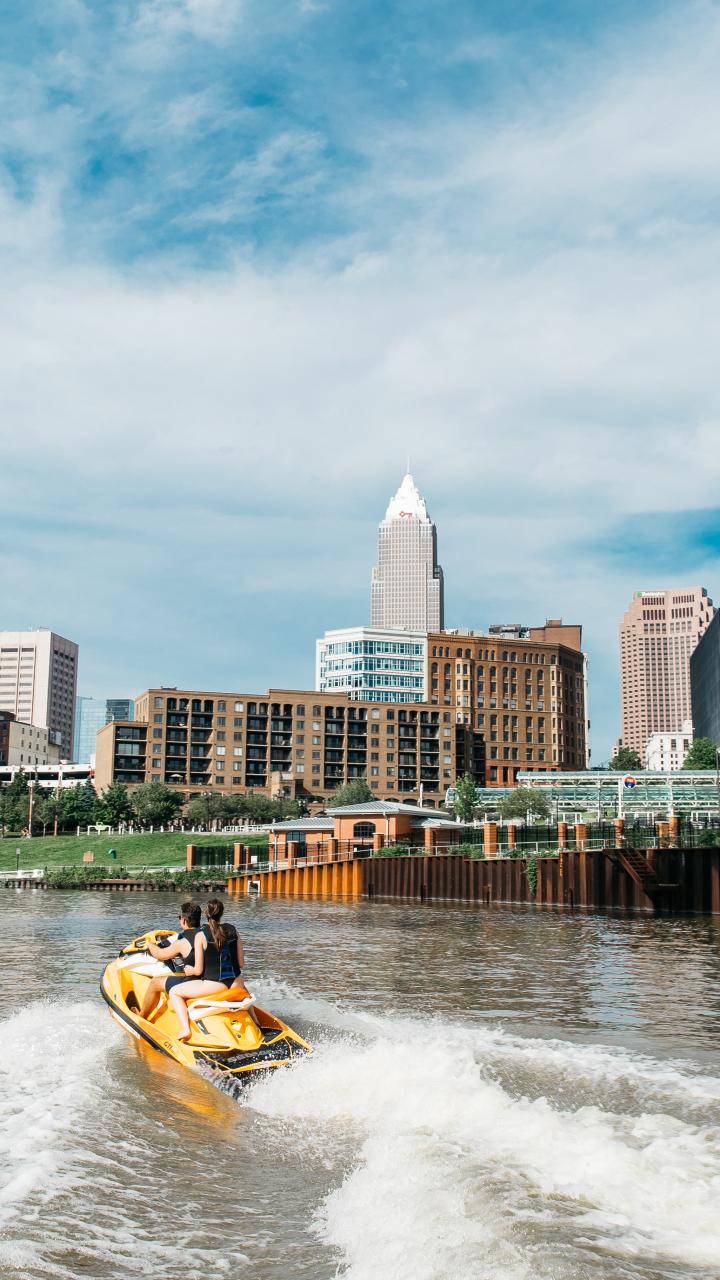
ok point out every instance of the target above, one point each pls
(458, 1174)
(435, 1133)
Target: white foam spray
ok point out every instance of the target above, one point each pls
(458, 1175)
(50, 1059)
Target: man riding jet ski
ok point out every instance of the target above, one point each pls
(229, 1034)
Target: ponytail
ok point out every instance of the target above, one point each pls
(213, 911)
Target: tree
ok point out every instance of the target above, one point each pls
(355, 792)
(626, 760)
(203, 809)
(296, 808)
(155, 804)
(465, 802)
(524, 800)
(114, 805)
(702, 755)
(15, 803)
(77, 805)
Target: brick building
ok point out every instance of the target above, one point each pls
(523, 689)
(289, 743)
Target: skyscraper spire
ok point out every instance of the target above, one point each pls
(407, 582)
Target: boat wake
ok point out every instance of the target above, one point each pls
(483, 1154)
(403, 1149)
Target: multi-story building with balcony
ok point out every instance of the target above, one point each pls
(289, 743)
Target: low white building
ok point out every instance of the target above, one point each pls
(373, 664)
(25, 746)
(666, 752)
(49, 776)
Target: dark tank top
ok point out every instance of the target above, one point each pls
(177, 964)
(221, 965)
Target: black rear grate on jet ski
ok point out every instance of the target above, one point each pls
(281, 1051)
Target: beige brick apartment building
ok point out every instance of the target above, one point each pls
(287, 742)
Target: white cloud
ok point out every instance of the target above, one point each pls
(531, 312)
(205, 19)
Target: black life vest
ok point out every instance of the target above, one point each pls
(221, 965)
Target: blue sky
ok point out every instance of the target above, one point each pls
(254, 254)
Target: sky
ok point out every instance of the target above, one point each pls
(254, 253)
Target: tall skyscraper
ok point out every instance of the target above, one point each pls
(407, 582)
(38, 682)
(93, 714)
(657, 636)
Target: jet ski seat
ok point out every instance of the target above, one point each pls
(231, 1001)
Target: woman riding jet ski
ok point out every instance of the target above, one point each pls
(228, 1033)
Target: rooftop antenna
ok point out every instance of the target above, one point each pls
(407, 467)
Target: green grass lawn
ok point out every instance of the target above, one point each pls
(161, 849)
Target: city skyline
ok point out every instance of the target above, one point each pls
(496, 257)
(305, 679)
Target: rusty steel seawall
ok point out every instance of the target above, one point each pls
(591, 879)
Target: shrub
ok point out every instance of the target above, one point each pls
(394, 851)
(469, 850)
(78, 877)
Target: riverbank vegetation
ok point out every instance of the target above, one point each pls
(79, 877)
(133, 852)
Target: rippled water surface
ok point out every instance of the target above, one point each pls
(495, 1093)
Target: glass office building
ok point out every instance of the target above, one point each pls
(371, 665)
(92, 714)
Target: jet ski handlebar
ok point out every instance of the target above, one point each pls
(154, 936)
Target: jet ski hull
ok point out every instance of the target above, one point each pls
(230, 1035)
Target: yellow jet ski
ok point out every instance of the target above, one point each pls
(230, 1035)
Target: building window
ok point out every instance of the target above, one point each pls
(157, 719)
(157, 733)
(158, 702)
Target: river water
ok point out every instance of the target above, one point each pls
(495, 1093)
